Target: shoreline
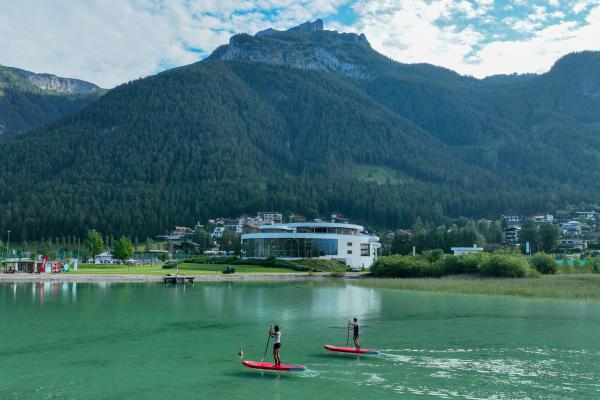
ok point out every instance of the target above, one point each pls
(144, 278)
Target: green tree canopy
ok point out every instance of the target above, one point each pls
(122, 249)
(94, 244)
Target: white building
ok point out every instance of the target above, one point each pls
(589, 215)
(512, 234)
(218, 232)
(270, 217)
(571, 228)
(543, 218)
(458, 251)
(331, 241)
(105, 258)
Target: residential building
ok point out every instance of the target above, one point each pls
(218, 232)
(324, 240)
(511, 219)
(512, 234)
(570, 244)
(270, 217)
(589, 215)
(571, 228)
(457, 251)
(543, 218)
(105, 258)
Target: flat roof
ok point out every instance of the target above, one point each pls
(312, 225)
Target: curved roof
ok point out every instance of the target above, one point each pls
(312, 225)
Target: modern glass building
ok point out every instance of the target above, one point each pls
(343, 242)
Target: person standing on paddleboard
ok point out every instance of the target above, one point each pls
(356, 327)
(276, 335)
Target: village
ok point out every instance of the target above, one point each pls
(291, 235)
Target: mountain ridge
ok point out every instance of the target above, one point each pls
(240, 133)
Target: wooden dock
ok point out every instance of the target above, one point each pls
(178, 279)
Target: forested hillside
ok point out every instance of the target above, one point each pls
(29, 100)
(310, 121)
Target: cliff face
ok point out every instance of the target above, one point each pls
(55, 83)
(28, 100)
(307, 46)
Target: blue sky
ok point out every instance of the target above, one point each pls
(109, 42)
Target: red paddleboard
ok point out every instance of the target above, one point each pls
(272, 367)
(350, 350)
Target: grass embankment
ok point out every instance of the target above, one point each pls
(579, 286)
(184, 269)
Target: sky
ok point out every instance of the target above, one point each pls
(109, 42)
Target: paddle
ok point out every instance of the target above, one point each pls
(267, 346)
(348, 334)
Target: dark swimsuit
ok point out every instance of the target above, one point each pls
(356, 329)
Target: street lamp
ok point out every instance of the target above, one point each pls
(7, 246)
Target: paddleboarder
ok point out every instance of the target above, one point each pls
(276, 335)
(356, 328)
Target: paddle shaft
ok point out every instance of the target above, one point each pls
(267, 346)
(348, 336)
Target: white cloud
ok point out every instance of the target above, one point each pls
(109, 42)
(408, 32)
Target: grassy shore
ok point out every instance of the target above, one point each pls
(184, 269)
(576, 286)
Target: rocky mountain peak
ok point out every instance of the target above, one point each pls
(306, 46)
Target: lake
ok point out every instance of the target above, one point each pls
(149, 341)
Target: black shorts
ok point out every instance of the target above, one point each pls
(276, 346)
(355, 337)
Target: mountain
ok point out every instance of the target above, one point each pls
(28, 100)
(307, 120)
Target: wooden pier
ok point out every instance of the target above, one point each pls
(178, 279)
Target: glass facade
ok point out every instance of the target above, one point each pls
(290, 247)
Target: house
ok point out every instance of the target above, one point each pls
(512, 234)
(572, 244)
(105, 258)
(543, 218)
(511, 219)
(571, 228)
(337, 217)
(589, 215)
(218, 232)
(458, 251)
(270, 217)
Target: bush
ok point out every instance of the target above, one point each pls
(463, 264)
(544, 263)
(398, 266)
(506, 266)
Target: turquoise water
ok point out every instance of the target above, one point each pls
(148, 341)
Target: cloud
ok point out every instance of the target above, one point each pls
(109, 42)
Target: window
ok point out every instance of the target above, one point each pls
(364, 249)
(349, 251)
(349, 244)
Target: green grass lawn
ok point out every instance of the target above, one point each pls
(575, 286)
(184, 269)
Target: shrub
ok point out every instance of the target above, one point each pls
(463, 264)
(544, 263)
(433, 255)
(594, 264)
(398, 266)
(506, 266)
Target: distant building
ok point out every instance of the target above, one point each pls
(511, 219)
(270, 217)
(346, 243)
(339, 218)
(572, 244)
(571, 228)
(105, 258)
(543, 218)
(512, 234)
(218, 232)
(457, 251)
(295, 217)
(589, 215)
